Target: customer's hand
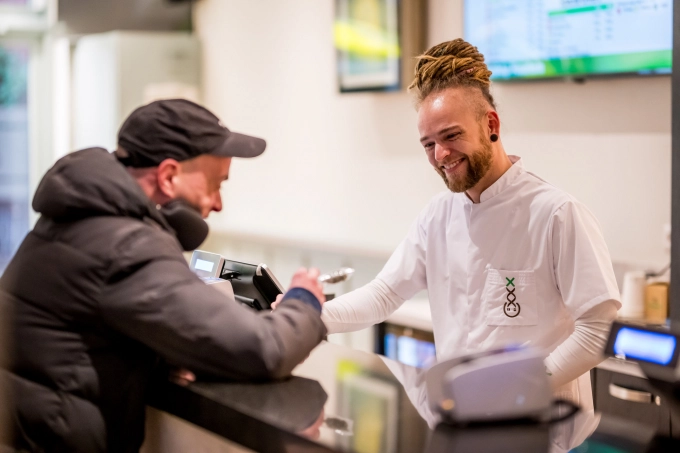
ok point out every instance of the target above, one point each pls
(313, 432)
(278, 300)
(181, 376)
(307, 280)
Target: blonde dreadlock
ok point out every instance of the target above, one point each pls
(451, 64)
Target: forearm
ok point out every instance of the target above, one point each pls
(361, 308)
(583, 350)
(195, 326)
(294, 330)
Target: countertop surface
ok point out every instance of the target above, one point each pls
(343, 400)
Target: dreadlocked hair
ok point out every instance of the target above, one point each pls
(451, 64)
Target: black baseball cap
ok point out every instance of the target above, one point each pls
(179, 129)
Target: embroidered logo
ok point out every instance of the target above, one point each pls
(511, 308)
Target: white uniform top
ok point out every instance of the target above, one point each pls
(517, 268)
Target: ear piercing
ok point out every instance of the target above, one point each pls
(494, 137)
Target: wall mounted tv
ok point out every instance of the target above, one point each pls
(525, 39)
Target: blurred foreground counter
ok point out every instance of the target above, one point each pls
(343, 400)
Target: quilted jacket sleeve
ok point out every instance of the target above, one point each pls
(154, 298)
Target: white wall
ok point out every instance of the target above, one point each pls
(347, 171)
(116, 72)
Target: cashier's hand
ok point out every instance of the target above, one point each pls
(307, 279)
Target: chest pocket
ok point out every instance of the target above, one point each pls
(510, 298)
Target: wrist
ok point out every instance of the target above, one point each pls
(303, 295)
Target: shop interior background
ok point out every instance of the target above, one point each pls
(344, 175)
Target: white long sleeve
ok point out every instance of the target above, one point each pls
(584, 348)
(580, 352)
(361, 308)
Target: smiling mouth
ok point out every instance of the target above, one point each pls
(451, 166)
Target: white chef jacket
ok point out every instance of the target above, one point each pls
(516, 268)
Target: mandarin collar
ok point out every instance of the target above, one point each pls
(502, 183)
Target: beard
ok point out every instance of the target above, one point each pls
(479, 162)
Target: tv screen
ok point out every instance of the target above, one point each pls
(523, 39)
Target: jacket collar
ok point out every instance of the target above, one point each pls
(91, 182)
(502, 183)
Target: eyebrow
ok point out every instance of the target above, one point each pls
(443, 131)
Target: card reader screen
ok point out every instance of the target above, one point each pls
(655, 347)
(203, 265)
(206, 264)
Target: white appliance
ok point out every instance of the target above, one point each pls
(502, 384)
(116, 72)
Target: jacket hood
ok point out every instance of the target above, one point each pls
(91, 182)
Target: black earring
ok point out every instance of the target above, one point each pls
(494, 137)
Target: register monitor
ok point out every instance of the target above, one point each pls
(656, 351)
(254, 285)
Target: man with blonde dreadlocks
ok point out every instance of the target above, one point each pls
(506, 258)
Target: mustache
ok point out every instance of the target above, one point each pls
(449, 160)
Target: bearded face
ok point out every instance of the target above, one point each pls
(462, 173)
(454, 131)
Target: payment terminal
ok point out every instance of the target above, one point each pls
(253, 285)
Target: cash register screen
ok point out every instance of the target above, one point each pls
(655, 347)
(203, 265)
(206, 265)
(412, 347)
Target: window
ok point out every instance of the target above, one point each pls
(23, 24)
(14, 147)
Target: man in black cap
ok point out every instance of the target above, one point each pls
(100, 289)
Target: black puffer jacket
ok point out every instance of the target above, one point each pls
(97, 290)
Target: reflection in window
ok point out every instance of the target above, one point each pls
(13, 149)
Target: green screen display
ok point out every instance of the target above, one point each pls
(557, 38)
